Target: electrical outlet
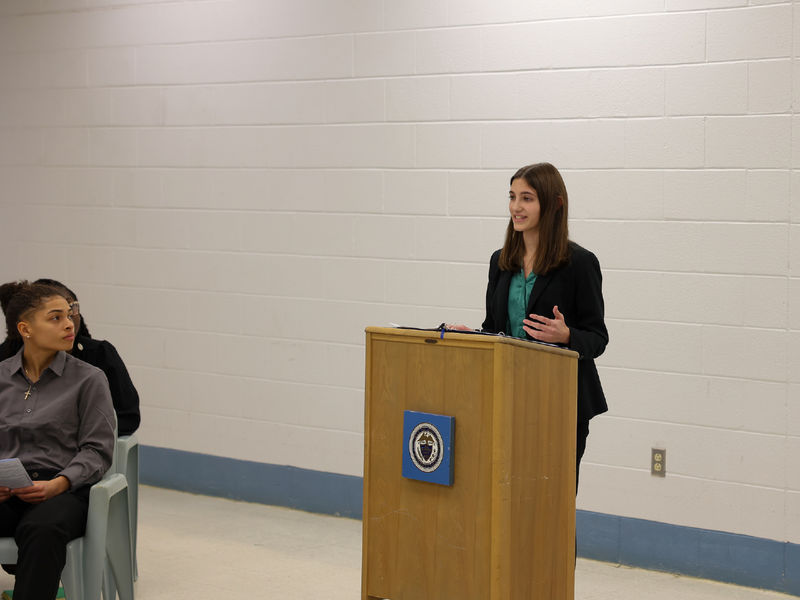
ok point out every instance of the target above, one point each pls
(658, 462)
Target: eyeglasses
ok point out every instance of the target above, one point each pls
(75, 309)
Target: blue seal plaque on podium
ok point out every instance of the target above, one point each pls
(428, 447)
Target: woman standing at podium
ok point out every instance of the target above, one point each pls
(544, 287)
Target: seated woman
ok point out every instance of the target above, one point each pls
(56, 416)
(99, 353)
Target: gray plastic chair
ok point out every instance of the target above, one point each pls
(106, 542)
(126, 462)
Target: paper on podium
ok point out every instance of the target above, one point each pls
(13, 475)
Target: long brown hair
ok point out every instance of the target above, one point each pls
(553, 248)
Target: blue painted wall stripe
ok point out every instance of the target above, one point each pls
(717, 555)
(314, 491)
(733, 558)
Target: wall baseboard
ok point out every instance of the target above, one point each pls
(728, 557)
(717, 555)
(303, 489)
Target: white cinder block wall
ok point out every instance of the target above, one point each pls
(236, 188)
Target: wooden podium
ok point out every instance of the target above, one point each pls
(505, 529)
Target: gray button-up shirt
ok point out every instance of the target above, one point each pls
(66, 423)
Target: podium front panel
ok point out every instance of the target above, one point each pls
(505, 528)
(427, 540)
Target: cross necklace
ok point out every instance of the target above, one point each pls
(30, 384)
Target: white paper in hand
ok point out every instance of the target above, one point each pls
(13, 475)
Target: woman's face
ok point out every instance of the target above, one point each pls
(523, 204)
(50, 326)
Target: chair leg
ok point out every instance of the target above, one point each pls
(118, 548)
(133, 497)
(72, 575)
(109, 585)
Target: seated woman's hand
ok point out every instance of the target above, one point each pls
(42, 490)
(5, 494)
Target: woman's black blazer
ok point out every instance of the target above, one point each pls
(576, 288)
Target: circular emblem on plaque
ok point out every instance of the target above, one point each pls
(425, 446)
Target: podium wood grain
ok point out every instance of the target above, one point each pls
(505, 529)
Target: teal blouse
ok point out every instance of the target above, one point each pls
(519, 292)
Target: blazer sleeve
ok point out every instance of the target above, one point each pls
(491, 286)
(123, 392)
(588, 334)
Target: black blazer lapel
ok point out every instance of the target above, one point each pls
(542, 281)
(501, 301)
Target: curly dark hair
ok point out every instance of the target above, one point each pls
(19, 298)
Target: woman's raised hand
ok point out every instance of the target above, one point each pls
(554, 331)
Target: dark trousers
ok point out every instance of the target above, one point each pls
(42, 532)
(583, 433)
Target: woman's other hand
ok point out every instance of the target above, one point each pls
(5, 494)
(457, 327)
(553, 331)
(42, 490)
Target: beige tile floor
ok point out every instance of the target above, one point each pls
(201, 547)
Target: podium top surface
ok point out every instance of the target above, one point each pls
(473, 338)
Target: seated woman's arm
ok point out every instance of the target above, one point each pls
(95, 435)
